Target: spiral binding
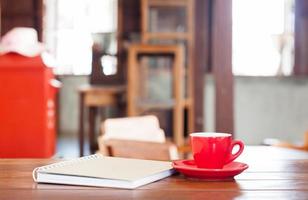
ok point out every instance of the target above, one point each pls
(64, 163)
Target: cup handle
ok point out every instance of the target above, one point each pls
(234, 156)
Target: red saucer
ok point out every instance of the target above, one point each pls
(190, 170)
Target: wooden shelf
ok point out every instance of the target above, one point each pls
(187, 103)
(147, 105)
(166, 35)
(166, 3)
(99, 89)
(164, 105)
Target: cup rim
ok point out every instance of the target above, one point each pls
(210, 134)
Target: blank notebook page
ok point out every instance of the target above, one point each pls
(110, 168)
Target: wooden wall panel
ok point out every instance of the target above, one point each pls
(301, 37)
(201, 59)
(222, 64)
(23, 13)
(17, 7)
(8, 23)
(128, 23)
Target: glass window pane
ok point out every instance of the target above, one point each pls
(167, 19)
(69, 27)
(263, 37)
(155, 78)
(185, 48)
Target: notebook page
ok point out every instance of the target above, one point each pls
(111, 168)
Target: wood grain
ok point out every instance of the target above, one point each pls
(200, 60)
(28, 13)
(300, 38)
(265, 179)
(222, 64)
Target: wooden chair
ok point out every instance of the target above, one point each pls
(285, 144)
(137, 149)
(136, 137)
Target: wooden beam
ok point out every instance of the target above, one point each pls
(222, 64)
(201, 59)
(301, 38)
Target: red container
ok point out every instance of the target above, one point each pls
(27, 108)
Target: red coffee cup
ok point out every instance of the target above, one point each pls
(214, 150)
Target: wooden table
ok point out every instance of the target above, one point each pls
(93, 97)
(273, 173)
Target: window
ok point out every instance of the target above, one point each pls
(69, 25)
(263, 37)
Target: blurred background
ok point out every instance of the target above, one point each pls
(197, 65)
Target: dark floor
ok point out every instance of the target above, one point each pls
(67, 147)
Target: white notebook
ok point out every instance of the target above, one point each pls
(104, 171)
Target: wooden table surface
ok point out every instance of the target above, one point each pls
(273, 173)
